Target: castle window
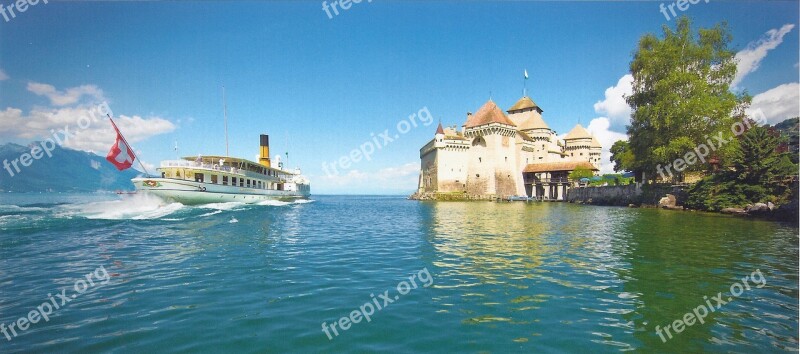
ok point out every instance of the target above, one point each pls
(479, 159)
(477, 176)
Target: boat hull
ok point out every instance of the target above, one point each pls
(192, 193)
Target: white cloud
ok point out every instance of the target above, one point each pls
(76, 111)
(778, 103)
(401, 178)
(96, 135)
(615, 115)
(67, 97)
(614, 106)
(600, 128)
(749, 59)
(3, 75)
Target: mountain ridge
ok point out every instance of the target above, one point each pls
(66, 171)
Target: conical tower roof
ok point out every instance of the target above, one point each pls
(489, 113)
(578, 133)
(524, 103)
(439, 129)
(534, 122)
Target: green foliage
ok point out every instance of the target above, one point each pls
(622, 156)
(715, 193)
(756, 162)
(581, 172)
(757, 174)
(612, 180)
(680, 95)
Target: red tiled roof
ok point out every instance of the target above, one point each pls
(439, 129)
(489, 113)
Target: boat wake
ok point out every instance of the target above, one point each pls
(129, 207)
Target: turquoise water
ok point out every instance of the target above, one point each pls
(501, 277)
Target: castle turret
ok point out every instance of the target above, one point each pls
(580, 145)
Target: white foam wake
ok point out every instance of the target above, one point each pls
(137, 207)
(273, 203)
(222, 206)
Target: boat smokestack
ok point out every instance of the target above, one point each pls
(263, 157)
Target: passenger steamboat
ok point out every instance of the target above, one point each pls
(214, 179)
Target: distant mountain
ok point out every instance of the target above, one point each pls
(66, 171)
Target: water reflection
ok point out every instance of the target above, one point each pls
(543, 272)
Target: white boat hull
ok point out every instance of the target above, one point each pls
(192, 193)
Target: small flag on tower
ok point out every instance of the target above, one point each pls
(526, 74)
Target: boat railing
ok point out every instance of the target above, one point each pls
(195, 164)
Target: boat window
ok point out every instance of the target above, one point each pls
(225, 180)
(241, 182)
(163, 175)
(198, 177)
(233, 181)
(214, 179)
(248, 183)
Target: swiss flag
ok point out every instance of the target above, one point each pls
(120, 154)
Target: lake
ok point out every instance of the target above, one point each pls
(367, 274)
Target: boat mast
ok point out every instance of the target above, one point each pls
(225, 114)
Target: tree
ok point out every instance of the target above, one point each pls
(758, 168)
(622, 156)
(681, 95)
(759, 164)
(580, 172)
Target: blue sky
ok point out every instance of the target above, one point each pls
(320, 87)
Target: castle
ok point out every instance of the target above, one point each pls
(495, 155)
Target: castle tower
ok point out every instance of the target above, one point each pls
(492, 160)
(580, 145)
(526, 112)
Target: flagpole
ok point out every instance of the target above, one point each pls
(128, 145)
(225, 114)
(525, 83)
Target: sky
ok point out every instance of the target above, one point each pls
(322, 86)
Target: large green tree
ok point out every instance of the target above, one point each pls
(757, 173)
(622, 156)
(681, 95)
